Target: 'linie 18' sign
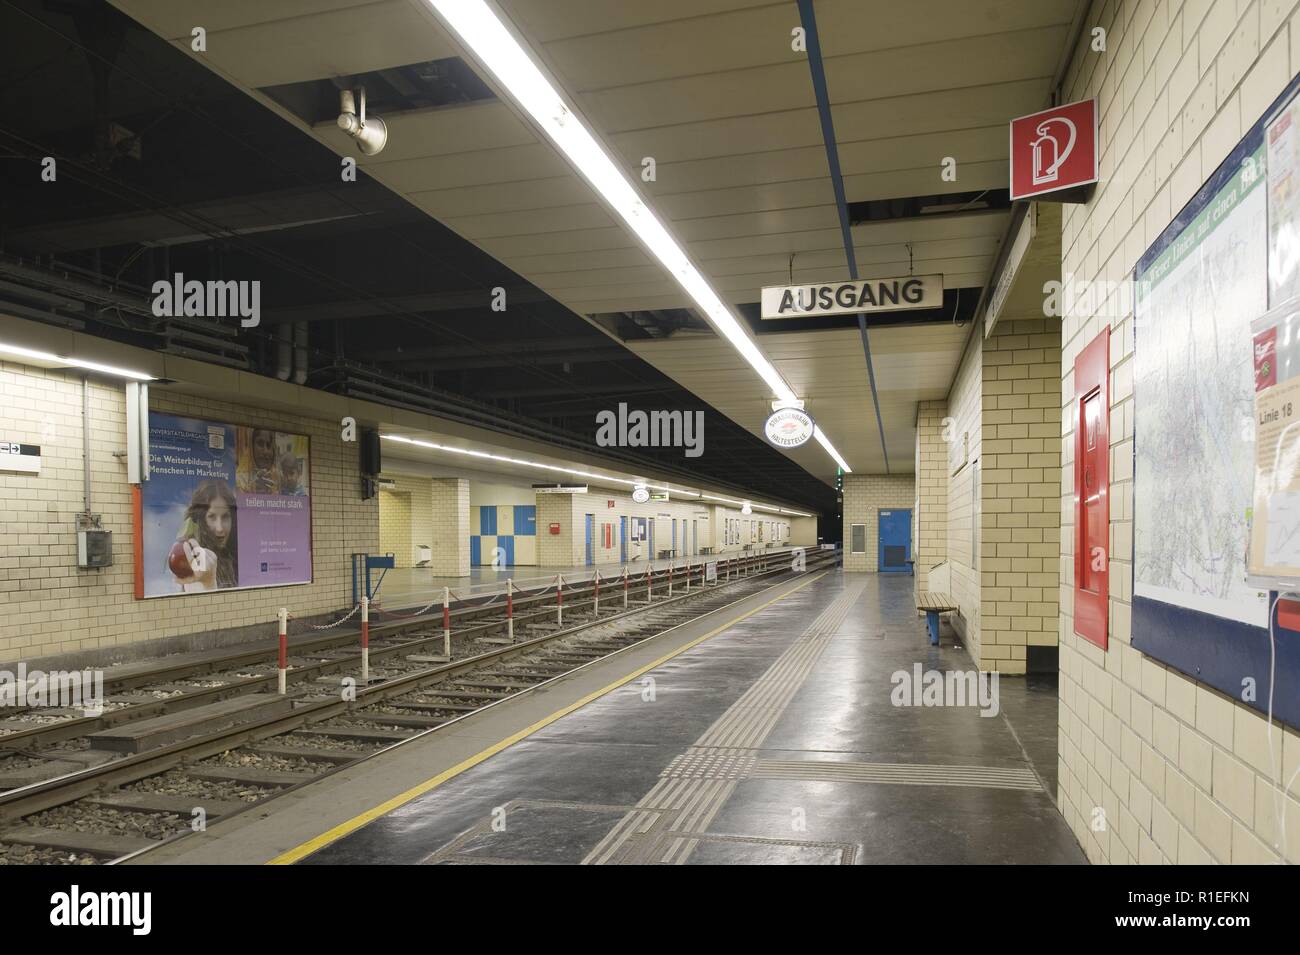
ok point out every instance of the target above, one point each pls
(849, 298)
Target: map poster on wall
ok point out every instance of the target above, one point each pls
(1194, 388)
(226, 506)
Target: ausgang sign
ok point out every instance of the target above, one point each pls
(849, 298)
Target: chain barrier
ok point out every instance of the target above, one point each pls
(490, 602)
(520, 592)
(329, 626)
(405, 616)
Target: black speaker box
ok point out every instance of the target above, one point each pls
(370, 452)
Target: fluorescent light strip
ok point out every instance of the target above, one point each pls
(825, 442)
(478, 26)
(577, 473)
(766, 507)
(73, 362)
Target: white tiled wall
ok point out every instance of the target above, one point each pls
(931, 517)
(864, 496)
(1179, 772)
(48, 606)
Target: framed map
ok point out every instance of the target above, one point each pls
(1196, 292)
(1194, 385)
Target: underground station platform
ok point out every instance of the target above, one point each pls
(760, 734)
(675, 433)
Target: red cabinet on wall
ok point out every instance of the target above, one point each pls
(1092, 489)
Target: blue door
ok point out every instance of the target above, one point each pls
(622, 540)
(507, 545)
(895, 541)
(674, 543)
(591, 527)
(476, 550)
(650, 543)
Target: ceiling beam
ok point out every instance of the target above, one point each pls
(379, 306)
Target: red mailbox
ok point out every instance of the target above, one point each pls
(1092, 489)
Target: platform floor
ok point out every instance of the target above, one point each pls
(764, 735)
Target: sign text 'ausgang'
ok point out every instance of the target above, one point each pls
(848, 298)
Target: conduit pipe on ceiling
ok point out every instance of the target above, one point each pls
(284, 352)
(85, 439)
(300, 353)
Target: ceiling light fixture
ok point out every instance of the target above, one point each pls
(370, 133)
(486, 455)
(52, 359)
(482, 31)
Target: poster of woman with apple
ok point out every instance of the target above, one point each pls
(226, 506)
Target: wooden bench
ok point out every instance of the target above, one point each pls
(934, 604)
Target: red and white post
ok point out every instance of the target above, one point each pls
(446, 622)
(510, 609)
(365, 641)
(625, 583)
(649, 584)
(671, 562)
(688, 575)
(283, 680)
(559, 599)
(595, 602)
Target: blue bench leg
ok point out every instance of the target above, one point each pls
(932, 622)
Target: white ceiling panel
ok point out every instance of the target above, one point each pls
(713, 91)
(480, 167)
(737, 39)
(546, 20)
(826, 367)
(503, 197)
(473, 128)
(847, 26)
(172, 19)
(310, 44)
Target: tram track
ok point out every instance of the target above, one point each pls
(132, 692)
(133, 802)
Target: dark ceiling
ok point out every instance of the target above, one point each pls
(162, 167)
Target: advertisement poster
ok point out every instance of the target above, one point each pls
(1275, 531)
(1282, 137)
(225, 506)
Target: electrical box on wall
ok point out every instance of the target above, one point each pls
(1092, 490)
(94, 548)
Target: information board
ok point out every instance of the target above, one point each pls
(1196, 292)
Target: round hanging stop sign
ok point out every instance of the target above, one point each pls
(789, 427)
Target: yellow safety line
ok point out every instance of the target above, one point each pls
(356, 822)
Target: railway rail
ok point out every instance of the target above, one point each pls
(165, 773)
(165, 686)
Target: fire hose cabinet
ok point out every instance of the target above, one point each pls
(1092, 490)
